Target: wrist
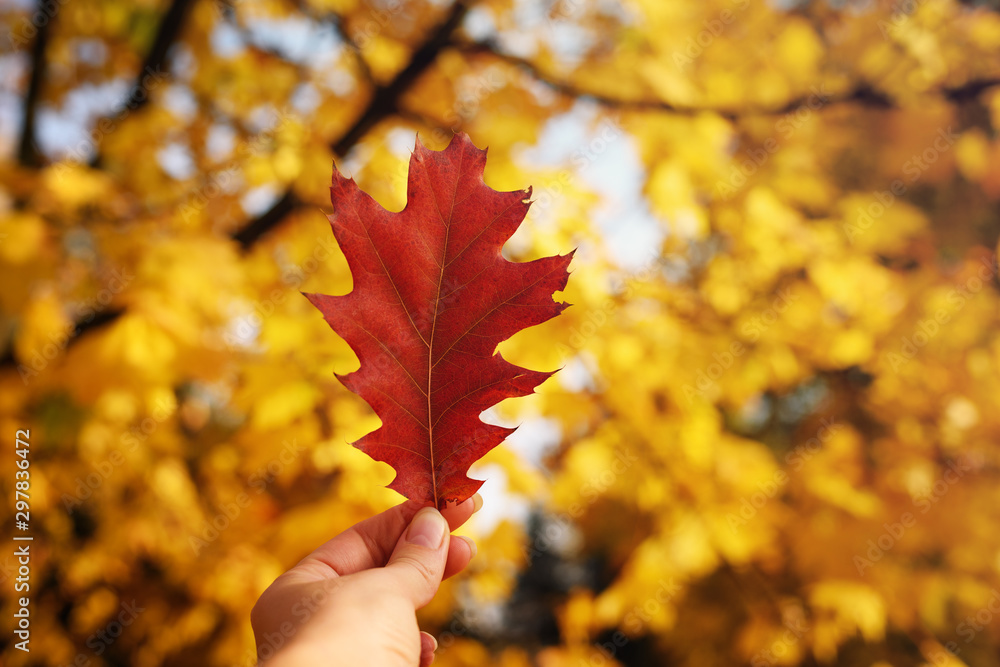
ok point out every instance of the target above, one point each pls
(301, 653)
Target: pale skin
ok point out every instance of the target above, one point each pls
(353, 600)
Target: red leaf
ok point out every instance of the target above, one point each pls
(432, 299)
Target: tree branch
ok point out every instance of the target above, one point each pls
(970, 90)
(863, 94)
(27, 153)
(384, 103)
(166, 34)
(259, 226)
(385, 100)
(337, 22)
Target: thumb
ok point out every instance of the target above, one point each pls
(417, 563)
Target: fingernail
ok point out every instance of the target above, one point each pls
(472, 545)
(477, 503)
(427, 529)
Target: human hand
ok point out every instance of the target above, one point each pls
(353, 600)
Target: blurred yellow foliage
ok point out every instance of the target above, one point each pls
(773, 440)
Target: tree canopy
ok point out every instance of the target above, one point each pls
(773, 440)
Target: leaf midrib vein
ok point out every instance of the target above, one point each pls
(437, 300)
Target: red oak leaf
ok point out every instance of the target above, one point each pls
(432, 299)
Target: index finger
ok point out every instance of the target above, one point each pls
(369, 543)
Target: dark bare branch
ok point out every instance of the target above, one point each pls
(383, 104)
(170, 28)
(151, 71)
(27, 153)
(337, 22)
(863, 94)
(259, 226)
